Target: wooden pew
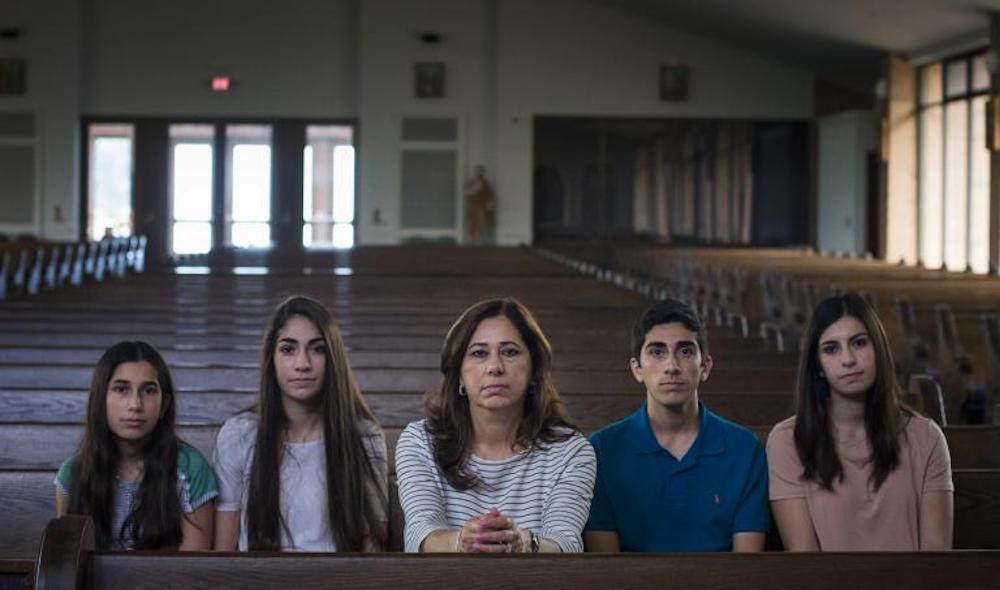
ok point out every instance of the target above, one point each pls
(30, 496)
(37, 272)
(970, 447)
(19, 278)
(67, 560)
(412, 379)
(249, 357)
(912, 351)
(65, 266)
(924, 395)
(918, 295)
(51, 273)
(589, 410)
(42, 447)
(164, 301)
(5, 273)
(79, 265)
(101, 259)
(955, 365)
(990, 326)
(34, 446)
(28, 268)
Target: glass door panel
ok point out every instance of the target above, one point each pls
(109, 191)
(192, 160)
(248, 186)
(328, 187)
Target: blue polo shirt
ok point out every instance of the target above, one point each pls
(657, 503)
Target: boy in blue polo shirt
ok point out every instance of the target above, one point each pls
(673, 476)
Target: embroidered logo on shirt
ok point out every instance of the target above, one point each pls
(716, 499)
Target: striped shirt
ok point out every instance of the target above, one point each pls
(545, 490)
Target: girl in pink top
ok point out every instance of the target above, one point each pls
(855, 469)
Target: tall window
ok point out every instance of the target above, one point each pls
(192, 164)
(222, 187)
(109, 184)
(328, 187)
(954, 164)
(248, 186)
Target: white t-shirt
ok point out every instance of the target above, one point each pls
(303, 482)
(546, 490)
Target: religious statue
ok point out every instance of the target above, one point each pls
(480, 209)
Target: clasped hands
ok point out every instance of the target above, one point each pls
(492, 533)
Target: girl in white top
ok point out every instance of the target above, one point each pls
(495, 466)
(306, 469)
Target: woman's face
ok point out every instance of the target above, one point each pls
(496, 368)
(847, 357)
(300, 359)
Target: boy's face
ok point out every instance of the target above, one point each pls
(671, 365)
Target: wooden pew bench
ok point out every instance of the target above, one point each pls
(29, 454)
(589, 410)
(44, 446)
(561, 345)
(751, 379)
(30, 496)
(249, 357)
(43, 442)
(68, 560)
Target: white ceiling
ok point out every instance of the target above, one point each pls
(843, 40)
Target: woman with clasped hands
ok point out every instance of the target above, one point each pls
(495, 466)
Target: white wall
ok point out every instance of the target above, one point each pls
(507, 61)
(51, 45)
(389, 49)
(559, 57)
(844, 142)
(567, 57)
(296, 58)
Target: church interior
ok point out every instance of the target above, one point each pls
(171, 171)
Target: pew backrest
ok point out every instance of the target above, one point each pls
(67, 560)
(37, 272)
(927, 390)
(5, 273)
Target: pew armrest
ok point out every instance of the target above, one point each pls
(64, 553)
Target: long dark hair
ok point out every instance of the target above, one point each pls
(351, 474)
(883, 408)
(447, 412)
(155, 521)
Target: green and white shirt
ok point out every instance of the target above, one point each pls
(196, 485)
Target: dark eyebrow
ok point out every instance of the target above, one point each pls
(294, 341)
(127, 382)
(849, 338)
(502, 343)
(678, 344)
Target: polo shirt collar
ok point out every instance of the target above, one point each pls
(710, 440)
